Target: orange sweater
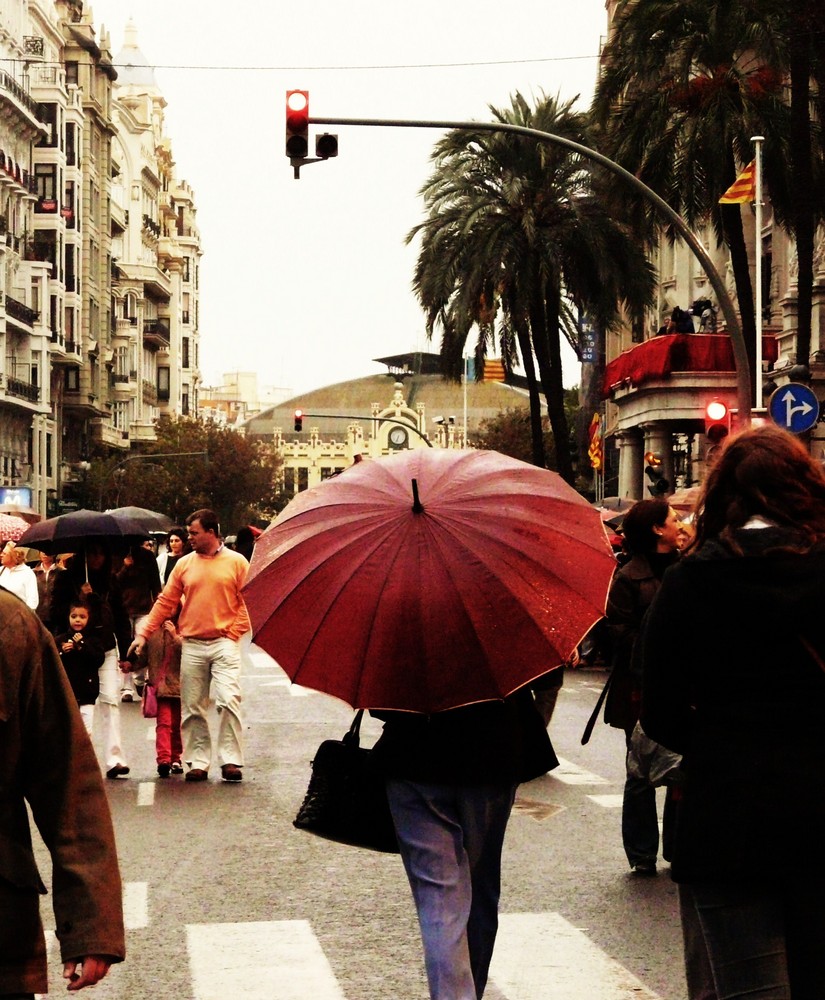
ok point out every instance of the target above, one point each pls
(208, 588)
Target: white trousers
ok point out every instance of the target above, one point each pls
(218, 661)
(109, 704)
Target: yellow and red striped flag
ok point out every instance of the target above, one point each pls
(493, 370)
(596, 450)
(743, 188)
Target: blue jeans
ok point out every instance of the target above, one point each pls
(765, 942)
(451, 838)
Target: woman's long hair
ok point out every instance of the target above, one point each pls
(765, 472)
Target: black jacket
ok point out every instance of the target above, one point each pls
(82, 663)
(730, 684)
(493, 742)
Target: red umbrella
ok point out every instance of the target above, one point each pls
(429, 579)
(12, 527)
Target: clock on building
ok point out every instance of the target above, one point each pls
(398, 437)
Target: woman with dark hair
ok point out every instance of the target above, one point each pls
(177, 545)
(652, 534)
(139, 582)
(739, 690)
(89, 574)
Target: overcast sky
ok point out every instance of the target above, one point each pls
(305, 282)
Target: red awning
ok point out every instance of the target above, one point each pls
(676, 352)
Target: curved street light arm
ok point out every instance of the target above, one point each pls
(740, 354)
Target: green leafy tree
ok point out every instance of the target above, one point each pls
(509, 431)
(236, 478)
(516, 241)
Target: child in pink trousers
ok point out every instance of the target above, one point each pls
(163, 665)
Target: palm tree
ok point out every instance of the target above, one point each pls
(686, 84)
(515, 242)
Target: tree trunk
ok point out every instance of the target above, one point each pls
(544, 318)
(802, 180)
(536, 429)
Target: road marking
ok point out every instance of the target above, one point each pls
(277, 960)
(607, 801)
(135, 905)
(150, 734)
(540, 956)
(572, 774)
(146, 793)
(538, 810)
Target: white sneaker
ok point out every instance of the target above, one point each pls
(126, 696)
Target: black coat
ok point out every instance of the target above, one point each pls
(730, 684)
(493, 742)
(82, 663)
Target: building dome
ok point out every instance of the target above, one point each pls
(133, 69)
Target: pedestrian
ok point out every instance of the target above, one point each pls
(739, 690)
(82, 655)
(88, 574)
(177, 545)
(44, 573)
(451, 782)
(207, 583)
(47, 762)
(652, 536)
(139, 582)
(162, 652)
(16, 576)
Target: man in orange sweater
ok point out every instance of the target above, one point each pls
(206, 584)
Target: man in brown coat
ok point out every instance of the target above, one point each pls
(46, 759)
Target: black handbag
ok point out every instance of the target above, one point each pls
(346, 799)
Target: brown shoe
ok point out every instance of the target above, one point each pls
(196, 774)
(231, 772)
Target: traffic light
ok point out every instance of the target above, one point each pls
(717, 421)
(659, 486)
(326, 145)
(297, 123)
(299, 421)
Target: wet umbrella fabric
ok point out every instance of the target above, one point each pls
(151, 520)
(12, 528)
(487, 580)
(69, 532)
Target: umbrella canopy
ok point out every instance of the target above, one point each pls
(429, 579)
(616, 503)
(29, 515)
(151, 521)
(68, 532)
(12, 527)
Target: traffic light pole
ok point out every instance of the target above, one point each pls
(357, 416)
(740, 354)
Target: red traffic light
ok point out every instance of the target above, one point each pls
(297, 123)
(299, 420)
(717, 420)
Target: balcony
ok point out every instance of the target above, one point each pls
(27, 111)
(156, 333)
(20, 312)
(23, 390)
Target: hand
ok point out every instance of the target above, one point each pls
(67, 646)
(85, 588)
(135, 650)
(92, 969)
(125, 666)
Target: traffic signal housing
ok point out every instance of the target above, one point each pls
(717, 421)
(659, 486)
(297, 123)
(299, 421)
(326, 145)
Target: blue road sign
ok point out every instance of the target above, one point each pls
(795, 407)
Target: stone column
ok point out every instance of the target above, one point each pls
(659, 441)
(631, 464)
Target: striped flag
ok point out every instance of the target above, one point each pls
(596, 450)
(743, 188)
(493, 370)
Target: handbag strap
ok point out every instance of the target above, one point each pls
(811, 651)
(353, 736)
(591, 722)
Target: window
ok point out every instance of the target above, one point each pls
(72, 379)
(49, 457)
(48, 114)
(186, 269)
(71, 74)
(71, 144)
(163, 383)
(185, 352)
(184, 404)
(120, 415)
(45, 178)
(71, 280)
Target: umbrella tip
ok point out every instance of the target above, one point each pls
(418, 507)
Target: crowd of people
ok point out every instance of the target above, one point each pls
(733, 707)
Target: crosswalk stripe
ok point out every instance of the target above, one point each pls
(135, 905)
(146, 793)
(540, 956)
(572, 774)
(608, 801)
(277, 960)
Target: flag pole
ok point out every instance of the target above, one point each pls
(464, 379)
(757, 140)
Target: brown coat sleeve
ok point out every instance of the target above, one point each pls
(46, 758)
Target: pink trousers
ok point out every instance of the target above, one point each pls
(167, 731)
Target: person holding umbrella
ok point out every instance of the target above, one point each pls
(89, 575)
